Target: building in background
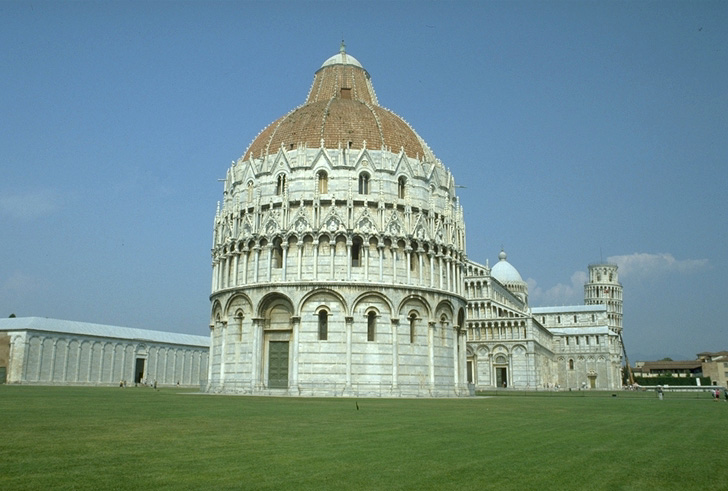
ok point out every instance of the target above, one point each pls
(339, 268)
(513, 345)
(715, 366)
(44, 351)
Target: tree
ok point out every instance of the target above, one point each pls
(667, 358)
(12, 316)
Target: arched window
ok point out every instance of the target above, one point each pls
(280, 184)
(571, 364)
(412, 323)
(250, 191)
(277, 255)
(323, 182)
(356, 252)
(401, 187)
(323, 325)
(371, 325)
(363, 183)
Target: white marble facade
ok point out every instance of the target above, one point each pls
(512, 345)
(338, 255)
(339, 268)
(59, 352)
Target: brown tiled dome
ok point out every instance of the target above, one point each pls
(342, 110)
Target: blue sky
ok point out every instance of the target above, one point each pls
(583, 131)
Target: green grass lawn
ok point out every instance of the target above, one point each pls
(134, 438)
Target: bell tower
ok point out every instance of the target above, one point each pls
(604, 288)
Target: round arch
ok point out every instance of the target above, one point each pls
(326, 291)
(371, 294)
(238, 301)
(411, 301)
(272, 300)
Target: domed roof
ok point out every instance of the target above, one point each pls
(504, 271)
(341, 110)
(341, 58)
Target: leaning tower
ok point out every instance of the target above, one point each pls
(604, 288)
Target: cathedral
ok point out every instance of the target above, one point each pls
(339, 269)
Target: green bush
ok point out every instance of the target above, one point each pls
(670, 380)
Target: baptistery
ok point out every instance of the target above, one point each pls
(338, 254)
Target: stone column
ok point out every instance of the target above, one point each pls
(432, 268)
(365, 260)
(431, 326)
(348, 258)
(456, 357)
(284, 268)
(209, 358)
(223, 347)
(420, 252)
(395, 355)
(246, 259)
(113, 362)
(394, 263)
(224, 272)
(92, 344)
(52, 370)
(256, 361)
(235, 269)
(164, 365)
(448, 263)
(380, 248)
(408, 255)
(349, 327)
(315, 258)
(101, 362)
(174, 366)
(16, 360)
(299, 248)
(463, 357)
(332, 255)
(296, 327)
(213, 287)
(66, 360)
(256, 263)
(78, 361)
(440, 272)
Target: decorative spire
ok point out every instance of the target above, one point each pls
(342, 48)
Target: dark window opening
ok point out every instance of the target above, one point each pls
(363, 183)
(281, 185)
(371, 325)
(323, 325)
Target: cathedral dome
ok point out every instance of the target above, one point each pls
(341, 111)
(504, 271)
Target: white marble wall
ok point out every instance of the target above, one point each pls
(58, 358)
